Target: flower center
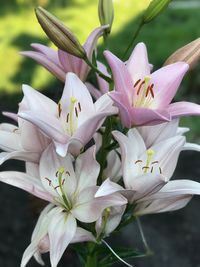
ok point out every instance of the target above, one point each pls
(71, 119)
(150, 166)
(144, 93)
(58, 185)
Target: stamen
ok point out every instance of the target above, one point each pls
(138, 81)
(68, 173)
(150, 153)
(59, 109)
(79, 106)
(56, 187)
(48, 180)
(160, 170)
(151, 169)
(154, 162)
(145, 168)
(151, 90)
(138, 161)
(76, 112)
(67, 120)
(138, 91)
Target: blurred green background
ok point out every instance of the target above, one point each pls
(178, 25)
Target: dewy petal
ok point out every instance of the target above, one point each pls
(48, 124)
(47, 63)
(61, 230)
(166, 82)
(25, 182)
(138, 63)
(183, 108)
(122, 79)
(132, 148)
(39, 102)
(39, 232)
(87, 169)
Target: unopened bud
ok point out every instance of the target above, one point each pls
(106, 13)
(59, 34)
(154, 9)
(189, 53)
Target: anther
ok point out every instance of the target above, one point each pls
(56, 187)
(67, 120)
(68, 173)
(138, 91)
(48, 180)
(63, 181)
(138, 161)
(79, 106)
(15, 130)
(154, 162)
(138, 81)
(160, 170)
(151, 169)
(151, 90)
(76, 112)
(145, 168)
(59, 109)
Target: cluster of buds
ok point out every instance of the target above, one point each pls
(95, 177)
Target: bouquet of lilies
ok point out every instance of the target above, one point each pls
(104, 154)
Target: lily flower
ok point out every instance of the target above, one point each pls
(147, 173)
(60, 62)
(144, 98)
(70, 186)
(23, 142)
(73, 121)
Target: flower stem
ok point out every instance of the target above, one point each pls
(106, 78)
(148, 250)
(91, 257)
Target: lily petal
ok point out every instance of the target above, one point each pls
(180, 109)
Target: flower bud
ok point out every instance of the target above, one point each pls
(59, 34)
(189, 53)
(106, 13)
(154, 9)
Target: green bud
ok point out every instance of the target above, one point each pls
(189, 53)
(59, 34)
(106, 13)
(154, 9)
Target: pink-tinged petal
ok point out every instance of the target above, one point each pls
(75, 88)
(10, 115)
(103, 85)
(50, 53)
(47, 123)
(19, 155)
(105, 104)
(131, 149)
(32, 169)
(191, 146)
(93, 90)
(50, 163)
(39, 232)
(37, 143)
(88, 209)
(25, 182)
(113, 169)
(107, 188)
(73, 146)
(145, 116)
(162, 205)
(61, 230)
(167, 153)
(39, 102)
(46, 63)
(124, 108)
(122, 79)
(87, 169)
(92, 39)
(82, 235)
(69, 62)
(183, 108)
(166, 82)
(8, 127)
(176, 188)
(157, 133)
(138, 63)
(10, 141)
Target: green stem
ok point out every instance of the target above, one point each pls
(106, 78)
(91, 257)
(133, 39)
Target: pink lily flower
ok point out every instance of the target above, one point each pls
(147, 173)
(144, 98)
(70, 186)
(59, 62)
(73, 121)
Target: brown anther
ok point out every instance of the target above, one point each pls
(136, 83)
(138, 161)
(68, 173)
(63, 181)
(48, 180)
(15, 130)
(160, 170)
(59, 109)
(79, 106)
(154, 162)
(57, 173)
(145, 168)
(138, 91)
(76, 112)
(151, 169)
(67, 120)
(56, 187)
(150, 89)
